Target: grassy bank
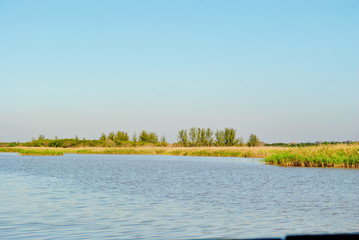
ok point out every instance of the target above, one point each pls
(340, 156)
(343, 155)
(259, 152)
(34, 151)
(188, 151)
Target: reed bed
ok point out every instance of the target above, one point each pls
(258, 152)
(34, 151)
(338, 156)
(187, 151)
(10, 149)
(42, 152)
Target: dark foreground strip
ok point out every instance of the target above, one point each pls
(354, 236)
(343, 236)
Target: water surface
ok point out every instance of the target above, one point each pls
(154, 197)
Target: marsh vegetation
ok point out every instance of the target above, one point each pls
(340, 155)
(198, 142)
(249, 152)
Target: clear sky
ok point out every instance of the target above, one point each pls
(284, 70)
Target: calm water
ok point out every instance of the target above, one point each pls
(120, 196)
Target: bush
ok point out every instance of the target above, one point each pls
(253, 141)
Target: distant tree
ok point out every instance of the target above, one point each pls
(76, 137)
(193, 136)
(134, 137)
(253, 141)
(148, 137)
(198, 137)
(201, 139)
(109, 143)
(103, 137)
(219, 135)
(41, 137)
(182, 137)
(122, 136)
(143, 136)
(153, 138)
(209, 137)
(111, 136)
(229, 137)
(56, 137)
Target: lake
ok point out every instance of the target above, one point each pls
(170, 197)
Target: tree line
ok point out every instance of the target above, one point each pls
(187, 138)
(200, 137)
(145, 137)
(112, 139)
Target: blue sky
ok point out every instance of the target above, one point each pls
(284, 70)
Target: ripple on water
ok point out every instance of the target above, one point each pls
(161, 197)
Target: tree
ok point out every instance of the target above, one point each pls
(103, 137)
(143, 136)
(193, 136)
(230, 136)
(209, 137)
(148, 137)
(253, 141)
(219, 135)
(201, 139)
(111, 136)
(182, 137)
(122, 136)
(41, 137)
(152, 138)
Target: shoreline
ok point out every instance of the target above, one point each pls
(246, 152)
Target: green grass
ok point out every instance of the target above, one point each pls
(10, 149)
(177, 151)
(339, 156)
(35, 152)
(42, 152)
